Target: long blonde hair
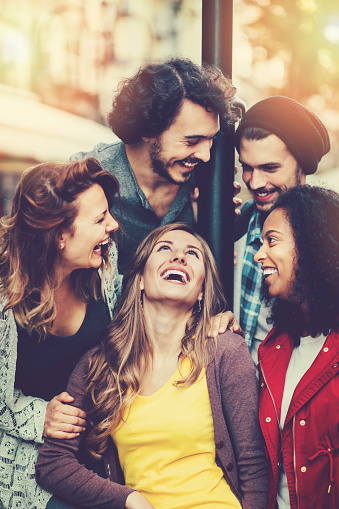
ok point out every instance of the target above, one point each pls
(117, 369)
(44, 205)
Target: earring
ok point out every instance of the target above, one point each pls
(62, 245)
(199, 305)
(141, 299)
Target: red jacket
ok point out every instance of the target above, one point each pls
(309, 441)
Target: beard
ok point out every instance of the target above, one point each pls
(161, 167)
(274, 189)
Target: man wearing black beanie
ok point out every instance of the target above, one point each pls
(279, 142)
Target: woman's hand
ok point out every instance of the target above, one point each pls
(137, 501)
(63, 420)
(223, 321)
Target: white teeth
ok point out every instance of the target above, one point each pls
(97, 248)
(180, 273)
(189, 165)
(268, 272)
(262, 194)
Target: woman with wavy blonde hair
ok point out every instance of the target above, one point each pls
(55, 246)
(174, 414)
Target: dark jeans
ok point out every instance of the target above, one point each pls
(58, 503)
(96, 466)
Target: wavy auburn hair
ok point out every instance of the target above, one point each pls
(44, 205)
(313, 214)
(117, 369)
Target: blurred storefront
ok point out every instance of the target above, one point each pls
(61, 61)
(32, 132)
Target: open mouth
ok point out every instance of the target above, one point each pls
(101, 247)
(269, 272)
(177, 276)
(263, 196)
(189, 164)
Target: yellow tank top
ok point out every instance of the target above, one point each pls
(167, 452)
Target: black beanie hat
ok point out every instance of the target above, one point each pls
(303, 133)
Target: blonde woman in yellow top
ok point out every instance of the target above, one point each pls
(175, 414)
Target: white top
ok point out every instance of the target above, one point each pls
(301, 360)
(261, 331)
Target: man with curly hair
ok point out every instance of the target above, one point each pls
(279, 142)
(166, 117)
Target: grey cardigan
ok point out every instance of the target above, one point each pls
(233, 392)
(22, 417)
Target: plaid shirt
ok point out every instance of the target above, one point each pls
(251, 281)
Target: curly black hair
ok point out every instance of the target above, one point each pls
(313, 214)
(147, 103)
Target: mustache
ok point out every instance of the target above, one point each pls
(192, 160)
(265, 189)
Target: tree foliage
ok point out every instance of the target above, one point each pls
(304, 34)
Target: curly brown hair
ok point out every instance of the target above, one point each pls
(147, 103)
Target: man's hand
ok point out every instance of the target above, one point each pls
(63, 420)
(223, 321)
(237, 201)
(237, 188)
(194, 203)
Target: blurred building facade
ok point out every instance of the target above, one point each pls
(61, 61)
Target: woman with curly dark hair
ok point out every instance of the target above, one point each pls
(162, 399)
(299, 359)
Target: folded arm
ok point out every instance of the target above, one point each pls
(59, 471)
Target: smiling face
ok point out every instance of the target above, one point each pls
(175, 270)
(83, 246)
(278, 255)
(268, 170)
(184, 144)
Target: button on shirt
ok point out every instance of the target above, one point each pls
(138, 218)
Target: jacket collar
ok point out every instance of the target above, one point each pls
(274, 356)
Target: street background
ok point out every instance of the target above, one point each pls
(61, 61)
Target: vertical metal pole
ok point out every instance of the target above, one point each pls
(215, 179)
